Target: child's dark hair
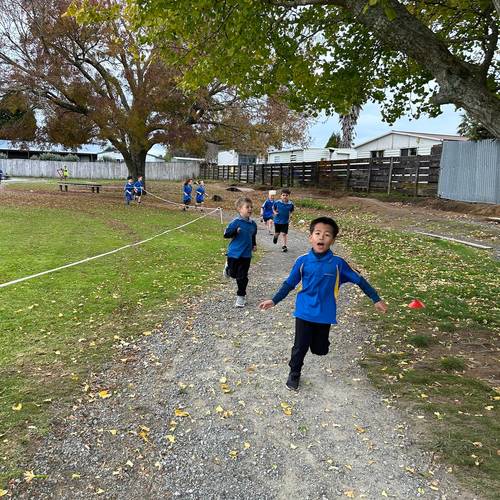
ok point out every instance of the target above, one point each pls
(285, 191)
(186, 182)
(130, 178)
(242, 201)
(327, 221)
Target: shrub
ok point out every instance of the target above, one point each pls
(309, 203)
(420, 340)
(3, 156)
(57, 157)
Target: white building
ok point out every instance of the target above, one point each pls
(232, 157)
(310, 154)
(396, 143)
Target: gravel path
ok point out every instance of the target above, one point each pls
(238, 433)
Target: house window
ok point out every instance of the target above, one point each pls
(277, 159)
(377, 154)
(293, 158)
(409, 152)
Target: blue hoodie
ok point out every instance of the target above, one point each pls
(321, 276)
(242, 243)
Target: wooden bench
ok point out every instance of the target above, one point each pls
(93, 187)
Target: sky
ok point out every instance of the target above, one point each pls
(370, 125)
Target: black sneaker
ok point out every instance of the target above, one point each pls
(275, 239)
(284, 248)
(293, 381)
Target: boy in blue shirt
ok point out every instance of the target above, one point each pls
(242, 230)
(138, 188)
(321, 273)
(267, 212)
(282, 210)
(129, 190)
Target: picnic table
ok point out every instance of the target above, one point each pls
(94, 187)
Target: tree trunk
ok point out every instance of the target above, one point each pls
(136, 163)
(460, 83)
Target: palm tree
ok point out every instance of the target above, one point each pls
(347, 124)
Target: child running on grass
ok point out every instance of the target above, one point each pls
(186, 194)
(242, 230)
(129, 190)
(321, 273)
(138, 188)
(282, 210)
(200, 195)
(267, 213)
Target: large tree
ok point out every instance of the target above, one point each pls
(102, 80)
(412, 55)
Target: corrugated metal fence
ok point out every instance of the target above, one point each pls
(470, 171)
(174, 171)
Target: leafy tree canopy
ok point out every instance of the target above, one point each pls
(411, 56)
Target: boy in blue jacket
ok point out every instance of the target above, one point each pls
(267, 211)
(282, 209)
(128, 190)
(138, 188)
(242, 230)
(321, 273)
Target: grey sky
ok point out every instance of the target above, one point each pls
(370, 125)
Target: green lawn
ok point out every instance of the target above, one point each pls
(440, 361)
(57, 329)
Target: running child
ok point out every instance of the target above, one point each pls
(200, 195)
(129, 190)
(242, 230)
(138, 188)
(267, 213)
(282, 210)
(186, 194)
(321, 273)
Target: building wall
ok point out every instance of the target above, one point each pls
(99, 170)
(227, 158)
(393, 143)
(310, 155)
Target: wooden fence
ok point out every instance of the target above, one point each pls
(417, 175)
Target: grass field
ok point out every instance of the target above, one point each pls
(442, 362)
(57, 329)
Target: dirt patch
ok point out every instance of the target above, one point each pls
(479, 349)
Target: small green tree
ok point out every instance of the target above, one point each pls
(334, 141)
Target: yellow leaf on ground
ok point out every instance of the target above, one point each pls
(146, 334)
(29, 475)
(3, 493)
(223, 380)
(246, 445)
(233, 454)
(76, 476)
(130, 463)
(112, 432)
(104, 394)
(384, 493)
(360, 430)
(219, 409)
(225, 388)
(170, 438)
(293, 446)
(179, 412)
(17, 407)
(349, 493)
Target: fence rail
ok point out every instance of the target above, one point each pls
(417, 175)
(174, 171)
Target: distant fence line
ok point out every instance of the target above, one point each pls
(172, 171)
(470, 171)
(417, 175)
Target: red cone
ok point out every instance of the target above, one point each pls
(416, 304)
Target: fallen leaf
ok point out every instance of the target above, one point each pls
(349, 493)
(104, 394)
(293, 446)
(3, 493)
(219, 409)
(170, 438)
(233, 454)
(76, 476)
(179, 412)
(360, 430)
(146, 334)
(112, 432)
(246, 445)
(17, 407)
(29, 476)
(129, 463)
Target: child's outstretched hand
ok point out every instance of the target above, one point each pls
(267, 304)
(381, 306)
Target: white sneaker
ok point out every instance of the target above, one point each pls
(240, 301)
(225, 272)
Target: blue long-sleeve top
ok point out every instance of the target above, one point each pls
(138, 187)
(321, 276)
(242, 242)
(267, 208)
(200, 194)
(186, 194)
(283, 211)
(129, 189)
